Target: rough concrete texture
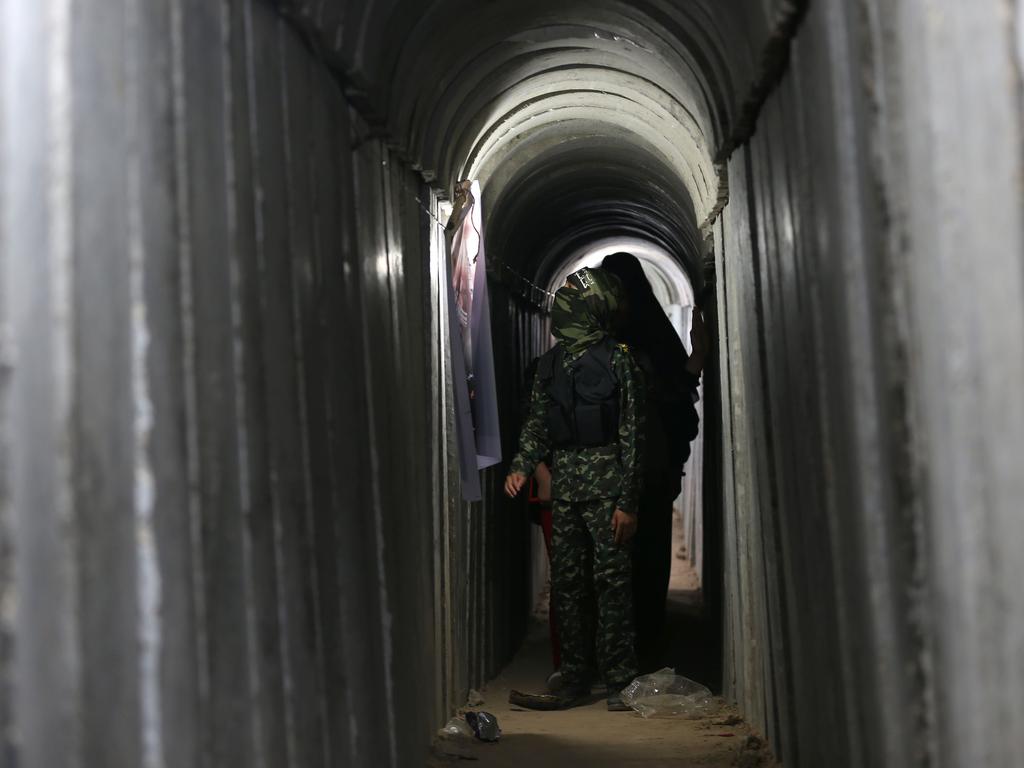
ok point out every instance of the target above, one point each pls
(229, 532)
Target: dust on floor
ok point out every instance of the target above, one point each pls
(590, 736)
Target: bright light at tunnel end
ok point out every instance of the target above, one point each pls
(669, 281)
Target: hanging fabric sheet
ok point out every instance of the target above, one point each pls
(469, 323)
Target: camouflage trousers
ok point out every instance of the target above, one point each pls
(593, 594)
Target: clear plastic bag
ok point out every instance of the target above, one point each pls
(666, 694)
(457, 727)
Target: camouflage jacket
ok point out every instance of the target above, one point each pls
(581, 474)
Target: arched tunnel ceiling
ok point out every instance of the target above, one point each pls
(582, 119)
(582, 189)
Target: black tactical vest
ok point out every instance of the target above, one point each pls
(584, 410)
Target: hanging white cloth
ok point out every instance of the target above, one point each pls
(472, 353)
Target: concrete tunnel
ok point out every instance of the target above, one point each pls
(230, 525)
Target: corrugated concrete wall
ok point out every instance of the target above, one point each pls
(229, 532)
(870, 307)
(225, 457)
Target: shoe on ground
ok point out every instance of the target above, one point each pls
(615, 702)
(554, 682)
(573, 695)
(566, 698)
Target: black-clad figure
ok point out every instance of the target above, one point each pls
(671, 378)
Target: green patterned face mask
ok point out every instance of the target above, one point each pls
(584, 312)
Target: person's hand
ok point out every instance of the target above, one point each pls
(623, 526)
(698, 343)
(514, 483)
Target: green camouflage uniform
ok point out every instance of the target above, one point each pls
(587, 568)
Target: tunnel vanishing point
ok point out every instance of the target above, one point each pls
(231, 532)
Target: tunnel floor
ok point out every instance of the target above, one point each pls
(590, 735)
(593, 737)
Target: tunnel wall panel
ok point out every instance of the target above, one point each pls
(224, 402)
(103, 337)
(745, 570)
(858, 408)
(796, 357)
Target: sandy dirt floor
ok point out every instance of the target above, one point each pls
(591, 737)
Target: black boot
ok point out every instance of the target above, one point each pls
(615, 702)
(568, 696)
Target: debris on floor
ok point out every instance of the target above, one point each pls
(456, 727)
(454, 740)
(665, 694)
(484, 725)
(474, 698)
(588, 735)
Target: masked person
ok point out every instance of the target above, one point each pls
(584, 411)
(671, 378)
